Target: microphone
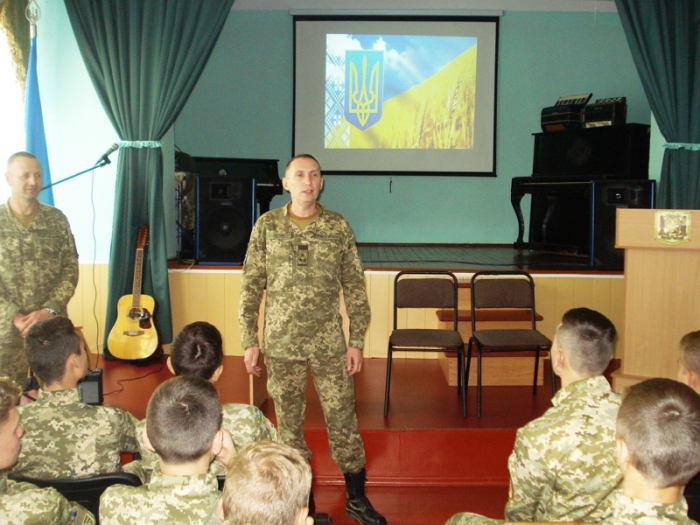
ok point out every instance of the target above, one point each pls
(104, 159)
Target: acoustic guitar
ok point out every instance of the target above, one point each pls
(134, 335)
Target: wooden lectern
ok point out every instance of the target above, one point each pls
(662, 291)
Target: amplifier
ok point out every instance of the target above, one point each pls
(566, 114)
(605, 112)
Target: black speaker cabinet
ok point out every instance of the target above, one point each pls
(612, 151)
(606, 197)
(224, 219)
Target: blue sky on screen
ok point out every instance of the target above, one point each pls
(408, 59)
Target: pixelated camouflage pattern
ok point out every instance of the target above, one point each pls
(245, 423)
(65, 438)
(287, 383)
(563, 466)
(633, 511)
(166, 499)
(38, 268)
(27, 504)
(303, 273)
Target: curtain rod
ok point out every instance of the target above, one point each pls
(397, 12)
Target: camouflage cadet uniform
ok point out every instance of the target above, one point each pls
(467, 518)
(563, 466)
(166, 499)
(245, 423)
(25, 504)
(303, 272)
(65, 438)
(38, 269)
(632, 511)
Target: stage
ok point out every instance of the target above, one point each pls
(425, 461)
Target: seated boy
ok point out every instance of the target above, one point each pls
(198, 351)
(268, 483)
(23, 503)
(183, 426)
(63, 437)
(658, 450)
(563, 465)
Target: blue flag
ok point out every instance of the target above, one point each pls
(34, 124)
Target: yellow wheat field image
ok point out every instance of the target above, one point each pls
(437, 113)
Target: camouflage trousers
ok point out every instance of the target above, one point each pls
(336, 392)
(13, 361)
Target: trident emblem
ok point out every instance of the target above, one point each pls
(364, 81)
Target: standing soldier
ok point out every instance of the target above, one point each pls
(304, 255)
(38, 263)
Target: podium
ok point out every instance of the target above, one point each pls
(662, 291)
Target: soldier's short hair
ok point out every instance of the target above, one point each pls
(25, 154)
(302, 156)
(48, 345)
(690, 351)
(267, 483)
(659, 420)
(9, 394)
(587, 338)
(182, 418)
(197, 350)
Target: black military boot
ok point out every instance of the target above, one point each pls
(358, 506)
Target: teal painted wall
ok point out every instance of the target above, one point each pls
(242, 107)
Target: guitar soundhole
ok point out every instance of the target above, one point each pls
(142, 315)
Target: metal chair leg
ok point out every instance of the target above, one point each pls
(388, 382)
(478, 381)
(553, 375)
(462, 380)
(537, 366)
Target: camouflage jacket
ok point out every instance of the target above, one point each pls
(633, 511)
(245, 423)
(467, 518)
(166, 499)
(65, 438)
(25, 504)
(303, 273)
(563, 466)
(38, 264)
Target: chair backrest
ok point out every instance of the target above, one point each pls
(503, 289)
(86, 491)
(430, 291)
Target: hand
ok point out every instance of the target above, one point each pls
(227, 450)
(252, 354)
(24, 322)
(353, 360)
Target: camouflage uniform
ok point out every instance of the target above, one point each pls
(467, 518)
(563, 466)
(632, 511)
(303, 272)
(24, 504)
(65, 438)
(166, 499)
(245, 423)
(38, 269)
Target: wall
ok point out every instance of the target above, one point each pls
(242, 107)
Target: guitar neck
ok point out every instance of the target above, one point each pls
(138, 269)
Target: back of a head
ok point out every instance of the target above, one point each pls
(197, 350)
(48, 345)
(690, 351)
(659, 420)
(268, 483)
(182, 418)
(587, 337)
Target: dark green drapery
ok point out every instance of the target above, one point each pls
(144, 59)
(664, 37)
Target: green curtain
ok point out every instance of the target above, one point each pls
(144, 59)
(664, 37)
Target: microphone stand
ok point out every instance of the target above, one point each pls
(100, 164)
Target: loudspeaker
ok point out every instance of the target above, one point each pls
(225, 216)
(612, 151)
(606, 197)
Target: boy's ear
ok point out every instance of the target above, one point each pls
(623, 454)
(220, 509)
(170, 366)
(217, 373)
(147, 441)
(303, 517)
(693, 379)
(217, 443)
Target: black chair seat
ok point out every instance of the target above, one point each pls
(410, 337)
(513, 339)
